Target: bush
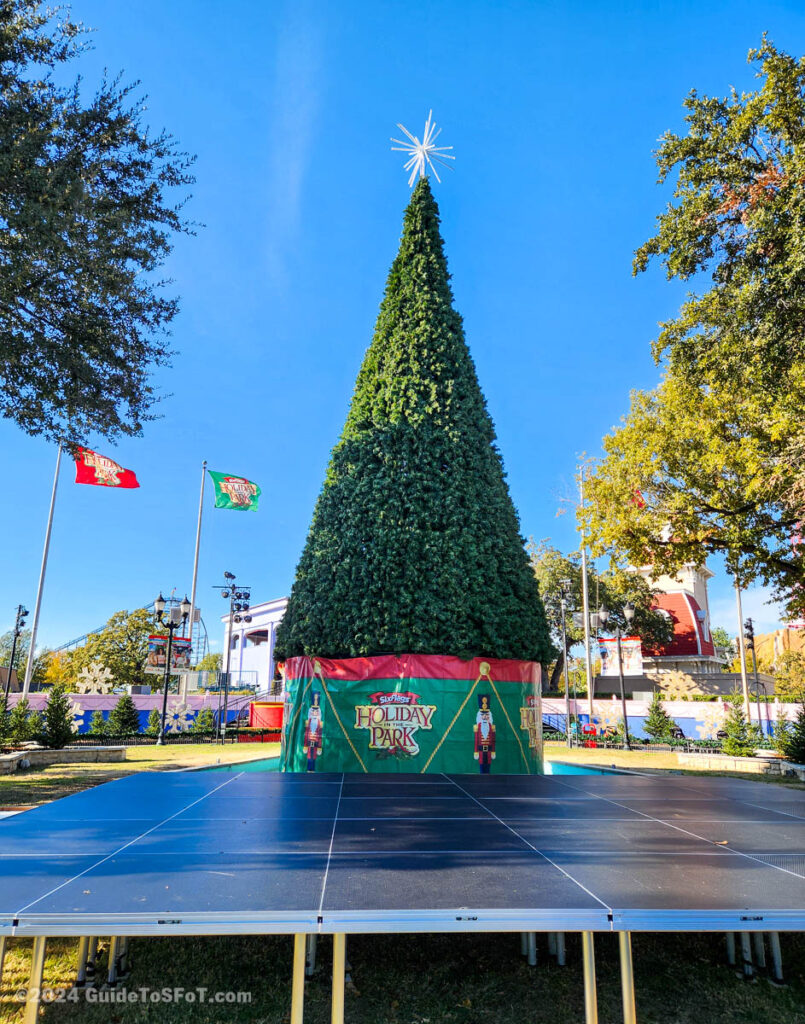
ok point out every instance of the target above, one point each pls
(154, 723)
(57, 726)
(124, 718)
(741, 738)
(658, 723)
(5, 718)
(790, 738)
(19, 722)
(204, 722)
(98, 726)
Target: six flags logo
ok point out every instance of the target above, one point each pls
(239, 490)
(392, 720)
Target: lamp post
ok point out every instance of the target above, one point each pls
(171, 624)
(19, 625)
(602, 616)
(239, 598)
(564, 592)
(749, 631)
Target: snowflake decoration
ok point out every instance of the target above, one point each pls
(179, 718)
(422, 155)
(608, 715)
(709, 720)
(95, 678)
(77, 714)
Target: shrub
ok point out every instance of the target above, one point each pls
(204, 722)
(57, 725)
(124, 718)
(154, 723)
(741, 739)
(790, 738)
(658, 723)
(98, 726)
(20, 725)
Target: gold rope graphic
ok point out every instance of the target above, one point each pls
(317, 668)
(484, 671)
(506, 713)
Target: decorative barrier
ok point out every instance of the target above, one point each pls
(698, 720)
(412, 713)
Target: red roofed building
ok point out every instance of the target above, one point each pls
(684, 600)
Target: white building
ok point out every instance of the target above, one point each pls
(251, 644)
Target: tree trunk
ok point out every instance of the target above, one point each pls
(556, 674)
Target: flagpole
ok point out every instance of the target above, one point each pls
(585, 604)
(29, 668)
(195, 560)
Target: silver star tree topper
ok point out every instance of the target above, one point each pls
(423, 154)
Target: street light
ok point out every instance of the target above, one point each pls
(19, 625)
(749, 631)
(171, 624)
(602, 616)
(239, 597)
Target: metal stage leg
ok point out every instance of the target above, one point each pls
(590, 994)
(730, 936)
(746, 954)
(310, 955)
(2, 956)
(35, 982)
(776, 957)
(123, 958)
(560, 949)
(339, 961)
(551, 943)
(627, 978)
(298, 985)
(760, 949)
(83, 952)
(532, 949)
(92, 958)
(523, 943)
(111, 973)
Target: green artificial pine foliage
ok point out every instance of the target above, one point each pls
(740, 740)
(98, 725)
(154, 723)
(124, 718)
(57, 726)
(658, 723)
(415, 544)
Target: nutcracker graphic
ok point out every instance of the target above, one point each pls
(484, 730)
(311, 744)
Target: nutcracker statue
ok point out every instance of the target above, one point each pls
(313, 728)
(484, 735)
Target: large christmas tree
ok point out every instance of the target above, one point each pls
(415, 544)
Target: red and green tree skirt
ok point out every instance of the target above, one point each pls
(415, 543)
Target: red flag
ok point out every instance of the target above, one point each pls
(92, 468)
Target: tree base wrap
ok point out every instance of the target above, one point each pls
(419, 713)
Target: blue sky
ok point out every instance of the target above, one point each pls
(554, 110)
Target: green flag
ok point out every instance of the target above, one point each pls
(234, 491)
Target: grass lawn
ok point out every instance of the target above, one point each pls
(425, 979)
(648, 760)
(39, 785)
